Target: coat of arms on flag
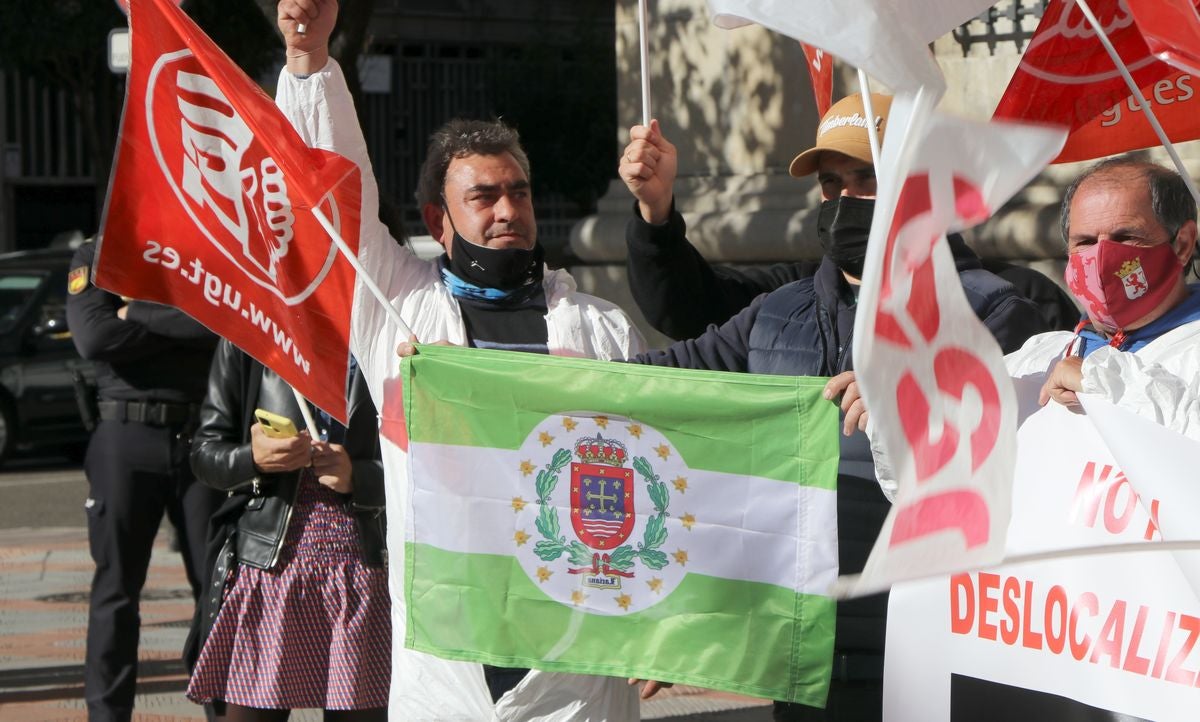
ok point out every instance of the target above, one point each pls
(616, 563)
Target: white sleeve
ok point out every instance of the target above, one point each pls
(321, 110)
(1167, 393)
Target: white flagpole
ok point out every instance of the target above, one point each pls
(309, 421)
(363, 276)
(1137, 93)
(864, 87)
(645, 54)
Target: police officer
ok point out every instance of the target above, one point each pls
(151, 371)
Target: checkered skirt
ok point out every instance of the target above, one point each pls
(313, 632)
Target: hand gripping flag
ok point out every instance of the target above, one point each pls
(1066, 76)
(600, 518)
(941, 401)
(209, 209)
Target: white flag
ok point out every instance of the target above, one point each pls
(886, 38)
(942, 405)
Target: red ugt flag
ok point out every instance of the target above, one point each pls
(209, 209)
(820, 69)
(1066, 77)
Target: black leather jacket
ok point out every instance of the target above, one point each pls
(222, 458)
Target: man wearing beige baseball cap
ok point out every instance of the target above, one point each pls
(803, 327)
(680, 294)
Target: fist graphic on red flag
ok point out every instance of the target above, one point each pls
(211, 204)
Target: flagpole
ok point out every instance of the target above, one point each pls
(1137, 93)
(864, 87)
(309, 421)
(363, 276)
(644, 42)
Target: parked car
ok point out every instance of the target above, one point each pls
(38, 408)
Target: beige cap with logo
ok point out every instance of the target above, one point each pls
(844, 130)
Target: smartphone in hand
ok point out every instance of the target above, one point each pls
(274, 425)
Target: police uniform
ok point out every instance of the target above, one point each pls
(151, 374)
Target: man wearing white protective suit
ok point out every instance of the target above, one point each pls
(490, 289)
(1130, 230)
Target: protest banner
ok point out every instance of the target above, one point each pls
(209, 209)
(1092, 637)
(582, 516)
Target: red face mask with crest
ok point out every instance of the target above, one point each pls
(1119, 283)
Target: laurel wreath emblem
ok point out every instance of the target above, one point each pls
(554, 544)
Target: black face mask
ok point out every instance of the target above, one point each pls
(843, 226)
(504, 268)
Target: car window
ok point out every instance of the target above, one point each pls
(17, 291)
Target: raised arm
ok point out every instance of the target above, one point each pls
(677, 290)
(307, 52)
(312, 94)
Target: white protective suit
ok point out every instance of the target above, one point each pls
(1159, 382)
(425, 687)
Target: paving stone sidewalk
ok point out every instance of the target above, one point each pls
(44, 579)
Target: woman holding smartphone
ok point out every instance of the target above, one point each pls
(298, 611)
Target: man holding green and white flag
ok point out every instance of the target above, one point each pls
(622, 520)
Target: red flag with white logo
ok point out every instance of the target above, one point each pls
(210, 209)
(820, 69)
(942, 404)
(1124, 126)
(1066, 76)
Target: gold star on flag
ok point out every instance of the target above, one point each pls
(526, 468)
(680, 484)
(635, 430)
(545, 438)
(578, 597)
(569, 424)
(687, 520)
(602, 422)
(655, 585)
(624, 601)
(680, 557)
(543, 574)
(520, 537)
(663, 451)
(518, 503)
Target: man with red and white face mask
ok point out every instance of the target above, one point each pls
(1130, 229)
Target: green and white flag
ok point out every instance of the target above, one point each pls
(615, 519)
